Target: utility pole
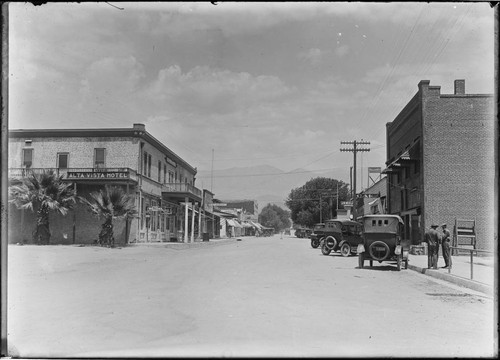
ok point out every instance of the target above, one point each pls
(354, 150)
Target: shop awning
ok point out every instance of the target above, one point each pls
(233, 223)
(409, 155)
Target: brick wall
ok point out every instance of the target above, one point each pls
(120, 151)
(459, 162)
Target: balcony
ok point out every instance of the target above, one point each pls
(179, 191)
(79, 174)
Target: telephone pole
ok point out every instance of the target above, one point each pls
(355, 149)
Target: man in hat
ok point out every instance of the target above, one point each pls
(432, 238)
(445, 247)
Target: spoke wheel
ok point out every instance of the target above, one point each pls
(345, 250)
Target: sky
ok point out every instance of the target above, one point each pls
(238, 84)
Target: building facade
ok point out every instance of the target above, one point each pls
(441, 162)
(162, 184)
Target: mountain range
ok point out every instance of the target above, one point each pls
(263, 183)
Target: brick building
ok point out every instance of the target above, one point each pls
(441, 163)
(162, 183)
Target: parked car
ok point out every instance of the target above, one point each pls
(342, 235)
(382, 240)
(316, 234)
(302, 232)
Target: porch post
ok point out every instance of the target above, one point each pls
(186, 219)
(192, 222)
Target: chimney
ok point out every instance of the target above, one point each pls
(459, 87)
(140, 127)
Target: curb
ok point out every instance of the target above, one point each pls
(467, 283)
(184, 246)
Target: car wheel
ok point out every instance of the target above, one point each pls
(325, 250)
(315, 243)
(345, 250)
(361, 260)
(379, 250)
(331, 242)
(399, 261)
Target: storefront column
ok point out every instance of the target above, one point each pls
(186, 219)
(192, 222)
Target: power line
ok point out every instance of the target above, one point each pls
(354, 150)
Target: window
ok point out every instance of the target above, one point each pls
(149, 165)
(145, 164)
(99, 161)
(27, 158)
(159, 171)
(416, 168)
(164, 173)
(62, 160)
(170, 176)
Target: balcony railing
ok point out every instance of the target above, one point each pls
(181, 188)
(78, 173)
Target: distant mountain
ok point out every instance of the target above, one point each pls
(264, 183)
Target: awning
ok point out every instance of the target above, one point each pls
(402, 160)
(233, 223)
(256, 225)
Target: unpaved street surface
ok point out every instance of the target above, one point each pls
(255, 297)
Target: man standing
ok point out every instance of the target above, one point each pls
(432, 238)
(446, 247)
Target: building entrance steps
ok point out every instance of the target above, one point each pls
(483, 271)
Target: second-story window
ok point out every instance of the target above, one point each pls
(164, 173)
(149, 165)
(159, 171)
(145, 164)
(27, 158)
(99, 158)
(62, 160)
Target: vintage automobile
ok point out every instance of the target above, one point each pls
(382, 240)
(302, 232)
(341, 234)
(316, 234)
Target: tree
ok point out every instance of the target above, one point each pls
(110, 203)
(43, 193)
(316, 200)
(275, 217)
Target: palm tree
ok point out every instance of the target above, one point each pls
(110, 203)
(43, 193)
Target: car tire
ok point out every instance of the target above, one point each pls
(399, 262)
(345, 250)
(314, 243)
(361, 260)
(330, 240)
(376, 254)
(324, 250)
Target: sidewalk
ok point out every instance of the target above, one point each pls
(183, 245)
(483, 276)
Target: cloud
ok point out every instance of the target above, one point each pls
(313, 56)
(206, 90)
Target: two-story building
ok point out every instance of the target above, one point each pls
(441, 162)
(162, 183)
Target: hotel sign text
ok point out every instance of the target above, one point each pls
(97, 175)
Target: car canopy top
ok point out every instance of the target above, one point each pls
(381, 223)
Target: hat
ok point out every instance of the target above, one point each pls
(443, 225)
(434, 225)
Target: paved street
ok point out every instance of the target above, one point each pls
(254, 297)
